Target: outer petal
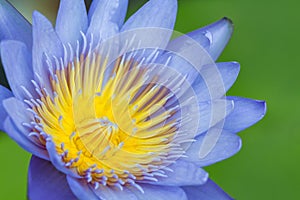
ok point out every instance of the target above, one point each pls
(226, 145)
(106, 17)
(187, 57)
(246, 112)
(23, 141)
(19, 114)
(114, 193)
(13, 26)
(199, 36)
(4, 94)
(17, 65)
(160, 193)
(13, 126)
(45, 42)
(228, 72)
(150, 192)
(155, 13)
(209, 80)
(81, 189)
(208, 191)
(213, 112)
(45, 182)
(213, 38)
(183, 173)
(71, 19)
(218, 34)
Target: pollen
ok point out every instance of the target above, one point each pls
(111, 122)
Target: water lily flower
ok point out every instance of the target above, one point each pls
(119, 110)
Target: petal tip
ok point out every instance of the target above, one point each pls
(228, 20)
(235, 66)
(218, 33)
(37, 17)
(251, 111)
(264, 108)
(36, 13)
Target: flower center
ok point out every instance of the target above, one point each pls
(109, 121)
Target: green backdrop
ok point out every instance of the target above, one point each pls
(266, 43)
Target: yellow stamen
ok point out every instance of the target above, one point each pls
(110, 129)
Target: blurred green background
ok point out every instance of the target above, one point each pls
(266, 43)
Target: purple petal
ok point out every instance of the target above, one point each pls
(150, 192)
(190, 54)
(23, 141)
(213, 112)
(19, 114)
(13, 126)
(106, 17)
(229, 72)
(218, 34)
(213, 38)
(199, 36)
(159, 192)
(13, 26)
(71, 19)
(45, 41)
(246, 112)
(119, 8)
(208, 191)
(81, 189)
(209, 80)
(224, 146)
(183, 173)
(155, 13)
(45, 182)
(206, 89)
(17, 65)
(4, 94)
(85, 191)
(113, 193)
(186, 58)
